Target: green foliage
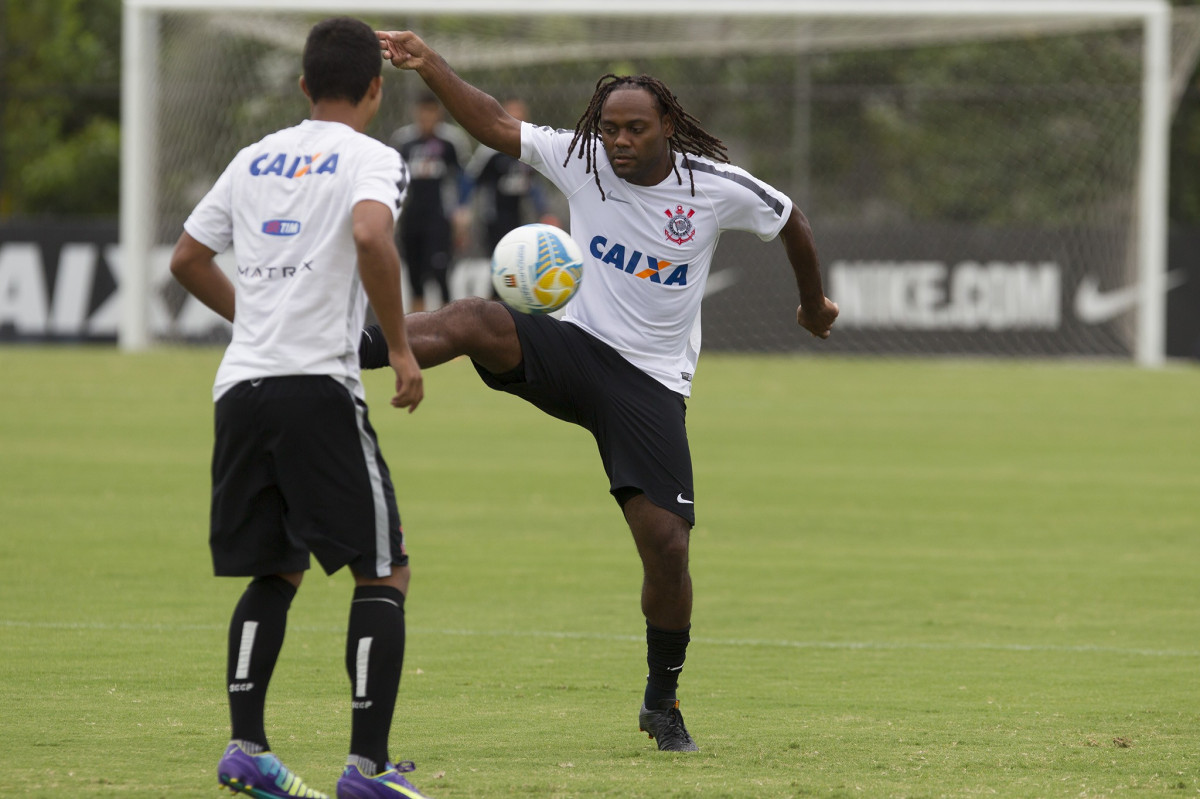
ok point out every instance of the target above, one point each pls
(60, 78)
(78, 177)
(1008, 132)
(1037, 131)
(938, 148)
(913, 579)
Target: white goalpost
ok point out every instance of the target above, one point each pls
(813, 89)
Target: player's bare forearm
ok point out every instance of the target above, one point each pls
(379, 269)
(381, 279)
(817, 312)
(477, 111)
(802, 255)
(193, 266)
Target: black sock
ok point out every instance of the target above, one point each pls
(665, 653)
(255, 638)
(372, 348)
(374, 655)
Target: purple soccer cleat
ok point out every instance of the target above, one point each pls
(262, 776)
(388, 784)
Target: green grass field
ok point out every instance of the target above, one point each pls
(913, 579)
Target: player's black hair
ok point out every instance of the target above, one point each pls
(341, 58)
(688, 137)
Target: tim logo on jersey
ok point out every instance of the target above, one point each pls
(645, 267)
(293, 166)
(281, 227)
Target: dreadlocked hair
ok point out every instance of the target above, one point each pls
(688, 136)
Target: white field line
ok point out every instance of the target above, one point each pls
(882, 646)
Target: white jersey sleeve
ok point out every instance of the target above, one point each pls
(545, 149)
(211, 223)
(746, 202)
(384, 179)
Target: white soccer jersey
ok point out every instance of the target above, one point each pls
(647, 249)
(285, 205)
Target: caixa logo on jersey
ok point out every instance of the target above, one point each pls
(293, 166)
(281, 227)
(645, 267)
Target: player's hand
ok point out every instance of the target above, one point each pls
(818, 321)
(403, 48)
(410, 385)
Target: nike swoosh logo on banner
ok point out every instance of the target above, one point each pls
(683, 501)
(1094, 306)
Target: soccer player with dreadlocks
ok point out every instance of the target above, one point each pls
(621, 359)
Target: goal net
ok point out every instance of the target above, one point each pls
(983, 178)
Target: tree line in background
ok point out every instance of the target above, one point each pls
(60, 133)
(60, 89)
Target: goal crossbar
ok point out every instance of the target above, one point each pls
(1117, 9)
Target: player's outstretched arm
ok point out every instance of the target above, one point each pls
(193, 266)
(477, 111)
(817, 312)
(379, 268)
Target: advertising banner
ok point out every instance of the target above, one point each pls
(60, 281)
(955, 290)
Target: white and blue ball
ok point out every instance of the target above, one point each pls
(537, 268)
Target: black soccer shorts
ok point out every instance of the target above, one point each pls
(638, 423)
(296, 469)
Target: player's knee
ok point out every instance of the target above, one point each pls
(485, 331)
(487, 315)
(398, 579)
(291, 578)
(668, 549)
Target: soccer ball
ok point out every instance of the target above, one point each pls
(537, 268)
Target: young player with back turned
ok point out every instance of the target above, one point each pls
(296, 468)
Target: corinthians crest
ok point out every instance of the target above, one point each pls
(680, 229)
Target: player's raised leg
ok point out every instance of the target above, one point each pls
(483, 330)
